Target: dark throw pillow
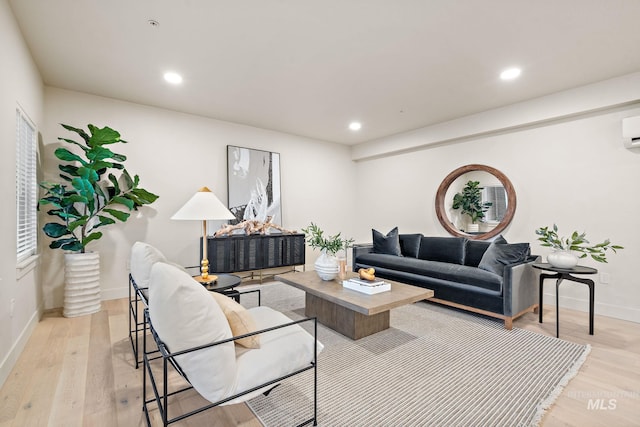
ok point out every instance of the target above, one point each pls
(389, 244)
(501, 254)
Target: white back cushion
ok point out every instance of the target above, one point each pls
(185, 316)
(143, 256)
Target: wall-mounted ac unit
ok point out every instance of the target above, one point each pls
(631, 132)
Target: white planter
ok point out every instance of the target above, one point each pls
(562, 259)
(473, 228)
(82, 284)
(326, 266)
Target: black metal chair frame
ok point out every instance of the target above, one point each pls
(135, 325)
(168, 358)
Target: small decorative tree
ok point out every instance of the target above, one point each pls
(470, 202)
(87, 201)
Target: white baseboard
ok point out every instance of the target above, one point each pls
(16, 349)
(602, 309)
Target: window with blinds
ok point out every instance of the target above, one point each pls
(26, 186)
(497, 196)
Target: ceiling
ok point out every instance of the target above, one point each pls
(310, 67)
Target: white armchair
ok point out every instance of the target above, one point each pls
(194, 335)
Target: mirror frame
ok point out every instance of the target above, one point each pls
(442, 191)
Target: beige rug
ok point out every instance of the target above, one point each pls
(435, 366)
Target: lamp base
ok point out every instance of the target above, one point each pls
(210, 279)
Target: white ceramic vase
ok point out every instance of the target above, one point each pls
(82, 284)
(562, 259)
(326, 266)
(473, 228)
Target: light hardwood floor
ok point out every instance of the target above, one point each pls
(80, 372)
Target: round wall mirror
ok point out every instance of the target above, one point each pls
(497, 195)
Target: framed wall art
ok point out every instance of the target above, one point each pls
(254, 184)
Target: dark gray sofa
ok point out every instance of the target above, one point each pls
(505, 287)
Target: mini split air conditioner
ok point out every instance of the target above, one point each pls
(631, 132)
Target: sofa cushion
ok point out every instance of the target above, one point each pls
(498, 255)
(475, 249)
(450, 272)
(410, 244)
(443, 249)
(389, 244)
(240, 321)
(185, 316)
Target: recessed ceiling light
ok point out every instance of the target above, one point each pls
(355, 126)
(173, 78)
(510, 73)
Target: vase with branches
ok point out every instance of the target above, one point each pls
(326, 265)
(566, 247)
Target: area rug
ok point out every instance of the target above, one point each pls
(435, 366)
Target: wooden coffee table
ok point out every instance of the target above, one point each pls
(353, 314)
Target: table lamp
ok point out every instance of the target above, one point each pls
(204, 206)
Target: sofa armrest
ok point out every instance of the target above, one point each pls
(520, 283)
(359, 249)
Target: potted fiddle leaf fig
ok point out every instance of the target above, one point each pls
(96, 191)
(469, 201)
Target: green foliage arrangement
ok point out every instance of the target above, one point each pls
(577, 242)
(470, 201)
(332, 244)
(86, 200)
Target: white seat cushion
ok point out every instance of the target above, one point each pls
(143, 256)
(185, 316)
(281, 352)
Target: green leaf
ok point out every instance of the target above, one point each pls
(61, 242)
(102, 136)
(69, 169)
(144, 196)
(88, 174)
(78, 223)
(68, 156)
(114, 181)
(100, 153)
(75, 246)
(104, 220)
(91, 237)
(123, 201)
(80, 132)
(122, 216)
(55, 230)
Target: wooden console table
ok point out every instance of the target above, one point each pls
(238, 253)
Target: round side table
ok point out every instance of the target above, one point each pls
(224, 284)
(561, 274)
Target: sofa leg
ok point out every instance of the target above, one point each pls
(508, 323)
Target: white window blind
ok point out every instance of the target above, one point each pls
(498, 198)
(26, 186)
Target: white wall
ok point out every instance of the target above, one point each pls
(574, 172)
(175, 154)
(20, 84)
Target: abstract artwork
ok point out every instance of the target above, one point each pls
(254, 184)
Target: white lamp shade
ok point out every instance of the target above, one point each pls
(204, 205)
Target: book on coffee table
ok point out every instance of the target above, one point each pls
(366, 288)
(367, 282)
